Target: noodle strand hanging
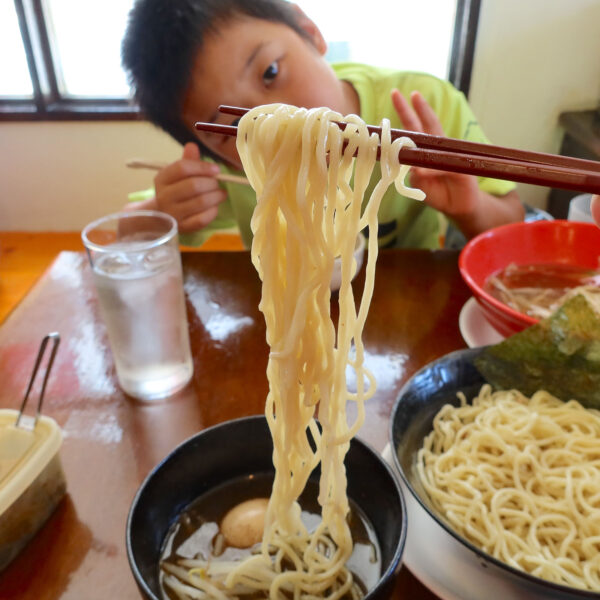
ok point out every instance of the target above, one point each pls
(311, 207)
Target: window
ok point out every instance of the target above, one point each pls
(89, 57)
(15, 81)
(387, 42)
(67, 62)
(65, 54)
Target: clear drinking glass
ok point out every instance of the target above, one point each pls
(137, 271)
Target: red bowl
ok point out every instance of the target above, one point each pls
(537, 242)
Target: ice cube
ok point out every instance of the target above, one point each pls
(114, 264)
(158, 259)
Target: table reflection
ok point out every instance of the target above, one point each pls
(111, 441)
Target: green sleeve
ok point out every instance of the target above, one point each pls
(141, 195)
(224, 221)
(374, 85)
(459, 122)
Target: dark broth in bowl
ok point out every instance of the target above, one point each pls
(197, 533)
(537, 289)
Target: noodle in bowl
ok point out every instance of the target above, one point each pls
(413, 415)
(243, 448)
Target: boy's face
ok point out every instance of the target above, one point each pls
(250, 62)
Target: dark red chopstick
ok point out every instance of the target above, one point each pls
(437, 142)
(449, 154)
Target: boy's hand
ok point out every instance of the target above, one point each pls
(188, 191)
(456, 195)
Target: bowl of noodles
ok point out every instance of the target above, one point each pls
(177, 539)
(505, 488)
(519, 273)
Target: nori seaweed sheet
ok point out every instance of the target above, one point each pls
(560, 354)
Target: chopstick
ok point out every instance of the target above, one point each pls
(437, 142)
(472, 158)
(139, 163)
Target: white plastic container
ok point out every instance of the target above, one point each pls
(32, 481)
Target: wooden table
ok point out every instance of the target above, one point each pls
(25, 255)
(111, 441)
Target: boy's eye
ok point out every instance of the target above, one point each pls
(271, 72)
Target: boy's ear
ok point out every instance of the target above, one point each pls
(311, 29)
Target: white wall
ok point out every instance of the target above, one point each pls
(59, 176)
(534, 59)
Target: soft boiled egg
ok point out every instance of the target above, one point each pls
(243, 525)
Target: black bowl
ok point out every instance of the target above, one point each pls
(412, 416)
(240, 448)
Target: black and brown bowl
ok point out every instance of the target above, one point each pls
(439, 556)
(243, 448)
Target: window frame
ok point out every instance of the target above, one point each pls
(464, 39)
(48, 104)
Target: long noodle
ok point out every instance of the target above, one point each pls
(520, 478)
(310, 210)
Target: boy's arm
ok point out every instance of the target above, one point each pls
(458, 196)
(171, 179)
(487, 211)
(187, 190)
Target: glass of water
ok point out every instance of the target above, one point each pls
(137, 271)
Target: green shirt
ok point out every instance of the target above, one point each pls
(403, 222)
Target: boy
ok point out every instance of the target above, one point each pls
(185, 57)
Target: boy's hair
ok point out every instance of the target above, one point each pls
(162, 41)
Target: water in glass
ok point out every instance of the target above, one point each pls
(142, 303)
